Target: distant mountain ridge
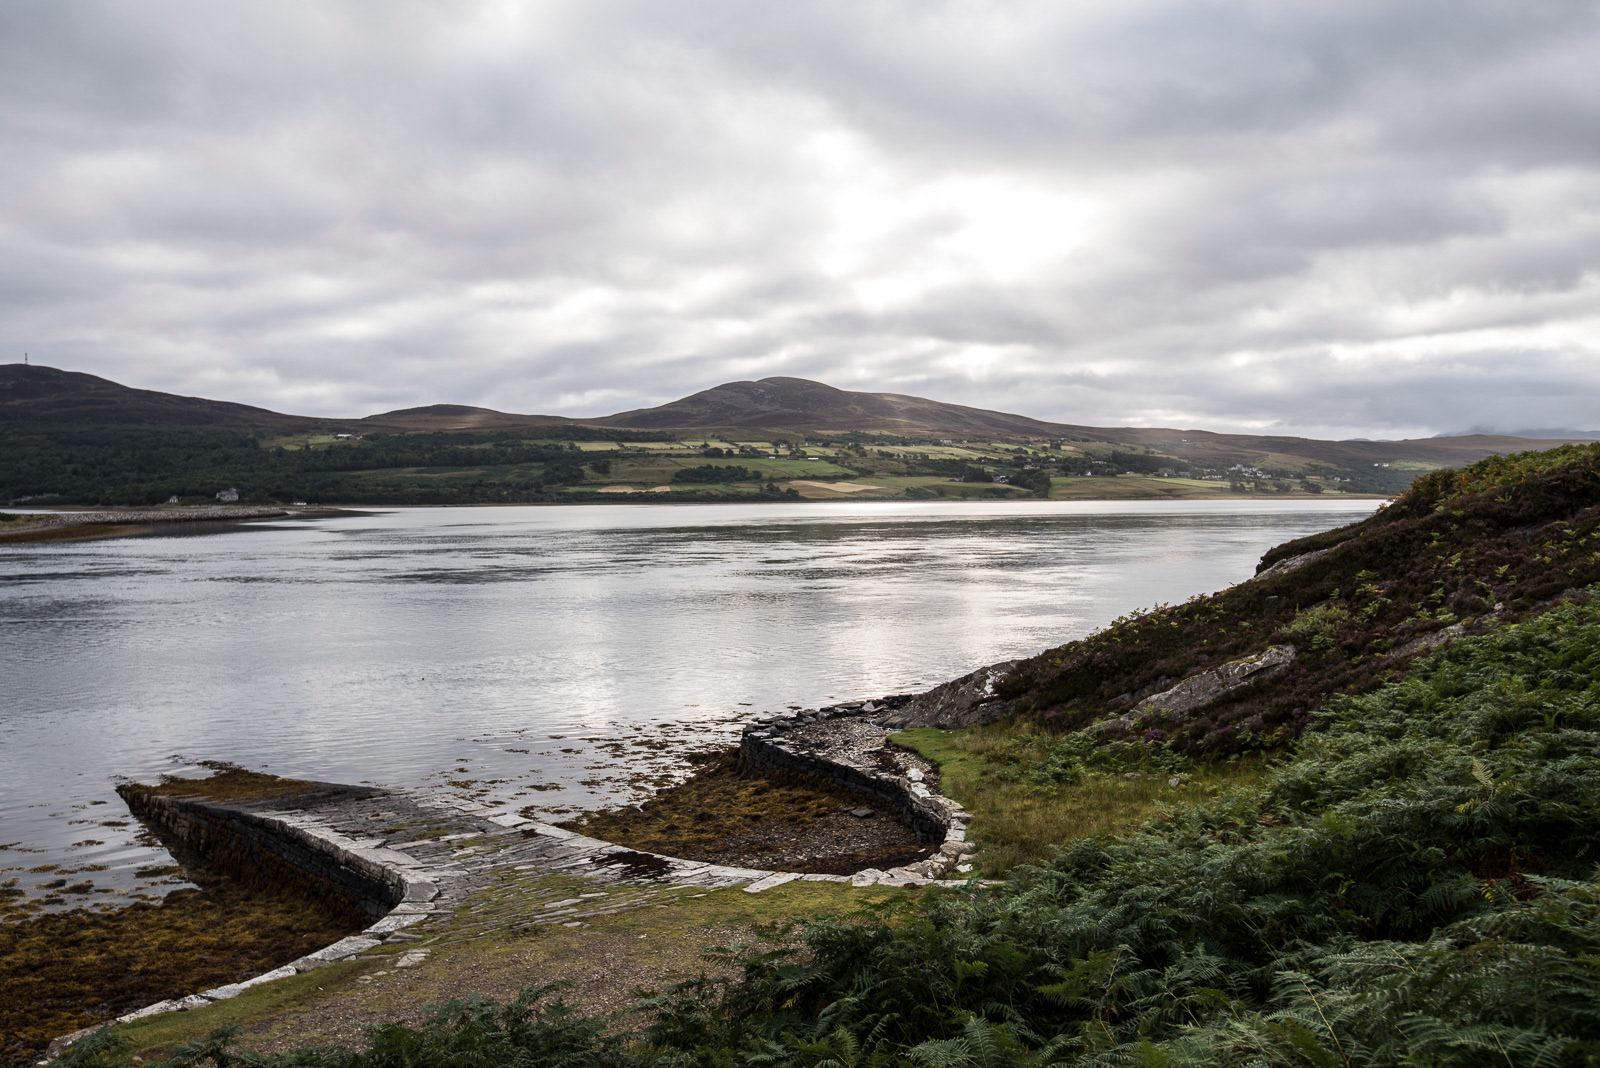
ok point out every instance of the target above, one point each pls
(800, 404)
(791, 406)
(1540, 433)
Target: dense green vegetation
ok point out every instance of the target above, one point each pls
(705, 473)
(1410, 879)
(147, 465)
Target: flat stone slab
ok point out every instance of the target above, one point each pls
(770, 881)
(233, 990)
(507, 819)
(343, 949)
(395, 921)
(148, 1010)
(867, 877)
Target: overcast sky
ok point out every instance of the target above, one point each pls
(1348, 218)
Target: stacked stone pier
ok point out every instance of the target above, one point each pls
(412, 860)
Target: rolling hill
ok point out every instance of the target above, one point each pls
(800, 405)
(64, 406)
(788, 405)
(31, 392)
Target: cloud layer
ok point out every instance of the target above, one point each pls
(1350, 218)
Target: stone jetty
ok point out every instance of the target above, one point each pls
(412, 860)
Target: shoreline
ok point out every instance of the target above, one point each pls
(94, 524)
(325, 832)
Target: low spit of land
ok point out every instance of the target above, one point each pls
(82, 525)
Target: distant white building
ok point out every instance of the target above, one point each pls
(229, 494)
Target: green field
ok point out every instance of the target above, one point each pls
(1136, 487)
(146, 466)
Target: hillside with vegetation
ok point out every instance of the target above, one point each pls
(1461, 552)
(74, 439)
(1408, 875)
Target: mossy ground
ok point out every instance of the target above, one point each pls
(231, 783)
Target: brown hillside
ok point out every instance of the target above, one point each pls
(434, 417)
(796, 404)
(33, 392)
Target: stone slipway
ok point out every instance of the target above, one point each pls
(409, 860)
(412, 861)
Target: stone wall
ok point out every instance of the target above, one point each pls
(261, 848)
(842, 744)
(280, 847)
(279, 842)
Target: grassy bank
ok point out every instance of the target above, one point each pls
(1463, 551)
(1030, 793)
(676, 938)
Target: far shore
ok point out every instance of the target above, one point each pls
(74, 524)
(90, 522)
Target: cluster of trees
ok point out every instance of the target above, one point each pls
(707, 473)
(146, 465)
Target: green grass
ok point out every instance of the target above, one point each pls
(659, 943)
(933, 452)
(18, 522)
(657, 470)
(1020, 821)
(959, 491)
(161, 1032)
(786, 468)
(1136, 487)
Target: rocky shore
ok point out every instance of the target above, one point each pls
(409, 861)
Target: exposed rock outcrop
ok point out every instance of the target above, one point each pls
(963, 702)
(1292, 563)
(1199, 690)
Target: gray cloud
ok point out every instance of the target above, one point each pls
(1334, 218)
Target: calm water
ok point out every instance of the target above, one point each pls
(555, 656)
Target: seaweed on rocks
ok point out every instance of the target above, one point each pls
(729, 813)
(68, 970)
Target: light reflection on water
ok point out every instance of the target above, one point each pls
(395, 648)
